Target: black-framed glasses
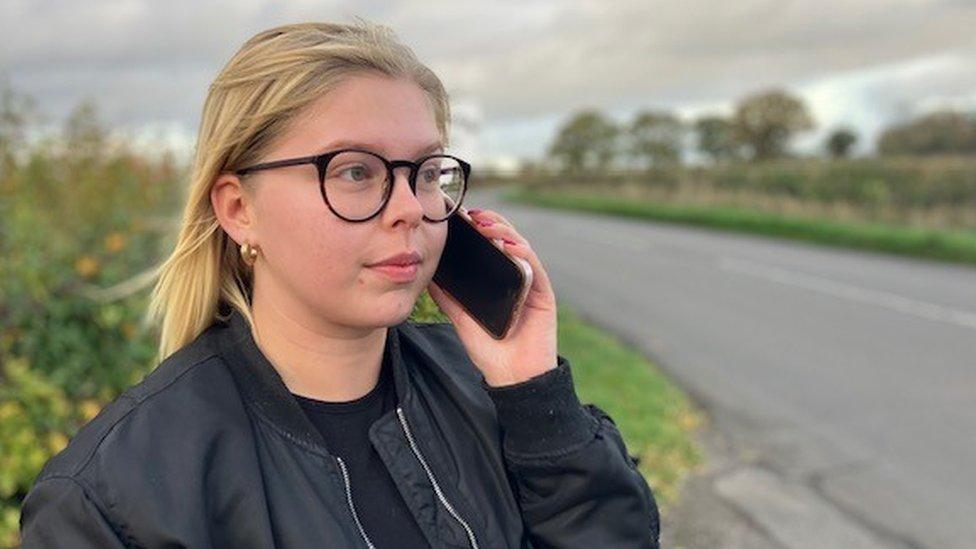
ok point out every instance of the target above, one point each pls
(357, 184)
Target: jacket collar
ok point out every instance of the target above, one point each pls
(262, 386)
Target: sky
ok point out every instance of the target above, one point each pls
(515, 70)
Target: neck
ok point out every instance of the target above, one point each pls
(314, 358)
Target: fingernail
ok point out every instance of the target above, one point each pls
(486, 223)
(474, 211)
(507, 241)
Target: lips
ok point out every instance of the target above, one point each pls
(400, 268)
(403, 259)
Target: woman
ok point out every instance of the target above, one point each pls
(294, 404)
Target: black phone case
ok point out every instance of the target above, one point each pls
(485, 281)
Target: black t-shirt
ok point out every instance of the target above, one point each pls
(344, 426)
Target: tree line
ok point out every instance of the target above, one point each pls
(760, 128)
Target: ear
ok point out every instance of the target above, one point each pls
(233, 204)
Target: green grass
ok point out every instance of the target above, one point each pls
(953, 246)
(655, 418)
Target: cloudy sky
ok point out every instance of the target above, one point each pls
(516, 69)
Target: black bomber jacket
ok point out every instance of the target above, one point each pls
(212, 450)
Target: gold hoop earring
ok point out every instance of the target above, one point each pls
(249, 254)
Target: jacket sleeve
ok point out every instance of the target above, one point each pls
(59, 512)
(577, 485)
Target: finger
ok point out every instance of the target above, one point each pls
(496, 230)
(481, 215)
(540, 279)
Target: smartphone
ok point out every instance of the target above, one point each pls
(486, 281)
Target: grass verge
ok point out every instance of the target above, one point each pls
(953, 246)
(655, 418)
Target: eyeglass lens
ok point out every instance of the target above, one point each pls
(356, 183)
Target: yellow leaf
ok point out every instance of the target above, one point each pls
(56, 441)
(89, 409)
(115, 241)
(86, 266)
(689, 420)
(9, 410)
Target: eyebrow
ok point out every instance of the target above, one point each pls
(344, 144)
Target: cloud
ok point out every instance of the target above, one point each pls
(526, 64)
(868, 100)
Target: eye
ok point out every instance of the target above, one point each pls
(430, 174)
(357, 173)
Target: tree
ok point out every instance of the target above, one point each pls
(716, 137)
(840, 141)
(587, 141)
(655, 138)
(17, 113)
(936, 133)
(84, 135)
(766, 121)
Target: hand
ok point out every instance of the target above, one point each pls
(529, 348)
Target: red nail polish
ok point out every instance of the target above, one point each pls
(474, 211)
(507, 241)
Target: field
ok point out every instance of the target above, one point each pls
(923, 207)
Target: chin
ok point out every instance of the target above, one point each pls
(389, 310)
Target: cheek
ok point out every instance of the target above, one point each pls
(331, 251)
(436, 238)
(310, 248)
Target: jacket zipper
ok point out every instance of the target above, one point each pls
(433, 481)
(352, 508)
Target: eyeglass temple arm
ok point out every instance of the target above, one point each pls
(279, 164)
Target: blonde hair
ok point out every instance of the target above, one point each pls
(269, 79)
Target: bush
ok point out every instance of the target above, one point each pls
(73, 219)
(889, 189)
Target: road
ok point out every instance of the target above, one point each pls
(844, 382)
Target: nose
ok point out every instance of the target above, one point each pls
(403, 201)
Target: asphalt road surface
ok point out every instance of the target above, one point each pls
(845, 381)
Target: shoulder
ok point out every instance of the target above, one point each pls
(187, 400)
